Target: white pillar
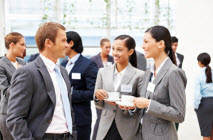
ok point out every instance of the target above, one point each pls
(194, 28)
(2, 27)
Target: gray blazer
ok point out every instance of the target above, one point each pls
(128, 126)
(32, 101)
(168, 103)
(141, 61)
(98, 61)
(6, 72)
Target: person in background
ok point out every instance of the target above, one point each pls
(102, 59)
(203, 96)
(15, 45)
(141, 61)
(82, 75)
(163, 98)
(179, 57)
(179, 60)
(123, 77)
(32, 57)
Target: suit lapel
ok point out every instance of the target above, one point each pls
(161, 74)
(12, 68)
(145, 92)
(109, 78)
(128, 75)
(77, 64)
(47, 79)
(100, 61)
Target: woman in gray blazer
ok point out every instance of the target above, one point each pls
(163, 99)
(15, 44)
(102, 59)
(123, 77)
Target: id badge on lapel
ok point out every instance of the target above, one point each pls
(126, 88)
(76, 76)
(151, 87)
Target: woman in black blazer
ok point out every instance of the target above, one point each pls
(15, 44)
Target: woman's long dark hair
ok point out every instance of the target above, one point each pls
(205, 59)
(162, 33)
(130, 44)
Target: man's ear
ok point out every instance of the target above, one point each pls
(48, 43)
(71, 44)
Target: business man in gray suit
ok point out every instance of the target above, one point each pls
(141, 61)
(39, 106)
(167, 96)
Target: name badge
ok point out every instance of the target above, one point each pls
(76, 76)
(151, 87)
(126, 88)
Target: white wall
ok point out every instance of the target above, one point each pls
(2, 26)
(194, 28)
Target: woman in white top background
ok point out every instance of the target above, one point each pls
(203, 96)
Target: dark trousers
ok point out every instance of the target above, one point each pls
(83, 132)
(113, 133)
(69, 138)
(95, 131)
(177, 125)
(1, 137)
(3, 128)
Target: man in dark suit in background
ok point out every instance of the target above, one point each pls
(179, 57)
(179, 60)
(32, 57)
(82, 74)
(39, 106)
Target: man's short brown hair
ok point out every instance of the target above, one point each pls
(49, 31)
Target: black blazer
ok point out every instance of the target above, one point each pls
(83, 89)
(32, 101)
(98, 61)
(180, 57)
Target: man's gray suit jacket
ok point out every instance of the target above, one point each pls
(32, 101)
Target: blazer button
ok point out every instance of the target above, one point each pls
(114, 111)
(49, 121)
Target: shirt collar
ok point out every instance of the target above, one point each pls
(160, 67)
(119, 73)
(48, 63)
(74, 59)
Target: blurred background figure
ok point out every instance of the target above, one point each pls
(141, 61)
(33, 57)
(15, 45)
(203, 96)
(102, 59)
(179, 57)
